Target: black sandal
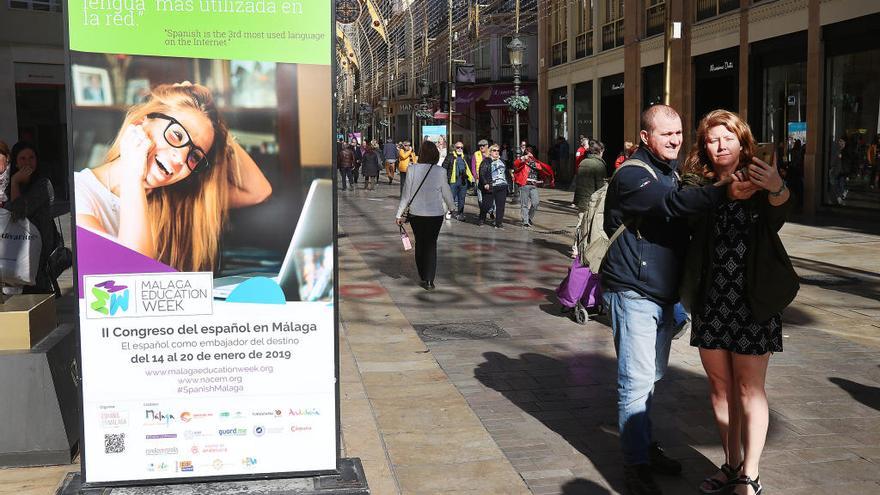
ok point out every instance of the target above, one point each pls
(746, 480)
(716, 485)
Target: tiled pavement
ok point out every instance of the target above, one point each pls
(546, 393)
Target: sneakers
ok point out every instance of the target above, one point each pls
(662, 464)
(639, 480)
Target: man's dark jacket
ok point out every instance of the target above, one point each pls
(647, 258)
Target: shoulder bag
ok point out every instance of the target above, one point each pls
(406, 210)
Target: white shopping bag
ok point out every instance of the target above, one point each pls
(19, 250)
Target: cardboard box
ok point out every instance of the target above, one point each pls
(25, 319)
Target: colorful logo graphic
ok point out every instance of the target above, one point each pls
(110, 298)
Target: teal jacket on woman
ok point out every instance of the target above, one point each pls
(771, 283)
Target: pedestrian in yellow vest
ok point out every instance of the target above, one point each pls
(405, 156)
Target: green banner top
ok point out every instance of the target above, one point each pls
(293, 31)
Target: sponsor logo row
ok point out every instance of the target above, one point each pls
(188, 466)
(111, 419)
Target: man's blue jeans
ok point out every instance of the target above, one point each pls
(643, 333)
(459, 192)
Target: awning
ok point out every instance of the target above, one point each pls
(502, 92)
(465, 96)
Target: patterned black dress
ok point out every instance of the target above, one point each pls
(725, 320)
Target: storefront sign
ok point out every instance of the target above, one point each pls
(722, 66)
(717, 64)
(206, 271)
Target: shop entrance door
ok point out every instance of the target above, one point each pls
(611, 127)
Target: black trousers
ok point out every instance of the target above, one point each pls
(497, 197)
(426, 230)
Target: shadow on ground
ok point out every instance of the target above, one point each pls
(581, 486)
(866, 394)
(575, 397)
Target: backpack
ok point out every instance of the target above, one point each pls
(592, 241)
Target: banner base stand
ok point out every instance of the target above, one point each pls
(351, 480)
(40, 405)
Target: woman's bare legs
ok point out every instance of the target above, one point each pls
(719, 368)
(749, 374)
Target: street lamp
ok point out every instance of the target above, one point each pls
(515, 49)
(384, 101)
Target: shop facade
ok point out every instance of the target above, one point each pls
(754, 61)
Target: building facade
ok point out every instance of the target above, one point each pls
(802, 73)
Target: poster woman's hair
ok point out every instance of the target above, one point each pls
(187, 217)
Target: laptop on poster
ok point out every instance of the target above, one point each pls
(307, 270)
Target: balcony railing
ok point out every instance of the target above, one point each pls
(710, 8)
(583, 45)
(483, 74)
(559, 53)
(612, 34)
(655, 19)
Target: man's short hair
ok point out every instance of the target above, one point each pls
(652, 112)
(428, 153)
(595, 147)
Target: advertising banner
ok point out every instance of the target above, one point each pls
(202, 146)
(433, 133)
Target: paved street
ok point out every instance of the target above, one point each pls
(543, 388)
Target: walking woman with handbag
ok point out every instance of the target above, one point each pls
(422, 204)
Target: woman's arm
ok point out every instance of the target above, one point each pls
(254, 187)
(135, 231)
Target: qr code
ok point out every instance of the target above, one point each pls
(114, 443)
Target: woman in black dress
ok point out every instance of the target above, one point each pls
(738, 279)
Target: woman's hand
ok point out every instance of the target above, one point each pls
(399, 220)
(134, 149)
(765, 176)
(739, 187)
(23, 175)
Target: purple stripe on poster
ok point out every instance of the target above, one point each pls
(98, 255)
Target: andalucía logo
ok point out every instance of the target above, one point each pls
(110, 298)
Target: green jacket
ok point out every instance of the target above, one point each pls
(590, 177)
(771, 283)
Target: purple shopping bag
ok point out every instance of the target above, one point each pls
(592, 295)
(574, 285)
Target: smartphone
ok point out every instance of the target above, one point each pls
(765, 152)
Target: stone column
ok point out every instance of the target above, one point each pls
(744, 59)
(632, 72)
(681, 92)
(543, 100)
(815, 77)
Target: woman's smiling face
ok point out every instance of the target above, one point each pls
(167, 164)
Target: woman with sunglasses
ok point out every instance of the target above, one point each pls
(169, 179)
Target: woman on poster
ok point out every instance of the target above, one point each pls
(169, 180)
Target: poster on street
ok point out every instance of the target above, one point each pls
(205, 249)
